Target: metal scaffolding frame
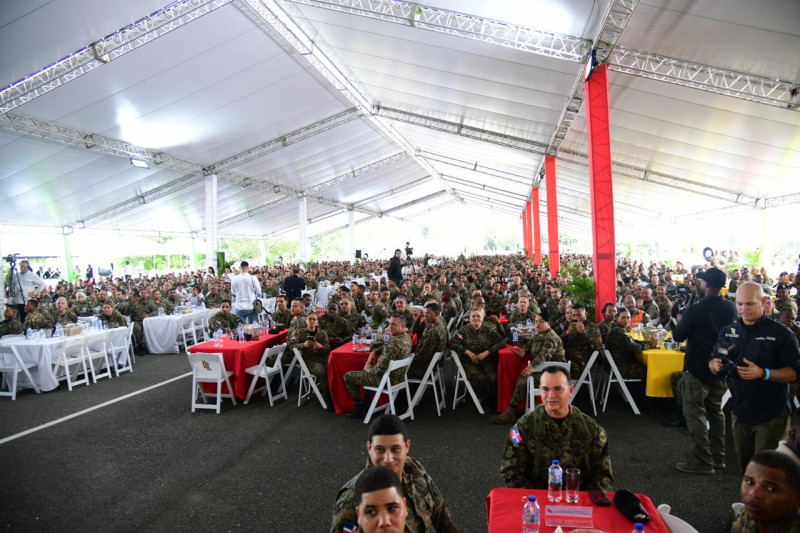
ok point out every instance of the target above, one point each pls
(107, 49)
(462, 25)
(483, 187)
(281, 23)
(519, 179)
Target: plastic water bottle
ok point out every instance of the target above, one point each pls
(387, 337)
(59, 330)
(515, 338)
(240, 333)
(40, 334)
(380, 332)
(29, 334)
(218, 334)
(554, 481)
(160, 311)
(638, 527)
(374, 336)
(530, 516)
(355, 341)
(528, 323)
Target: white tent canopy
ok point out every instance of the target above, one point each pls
(389, 111)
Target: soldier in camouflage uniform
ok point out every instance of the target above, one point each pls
(545, 346)
(399, 347)
(358, 299)
(62, 315)
(380, 311)
(312, 341)
(581, 339)
(664, 305)
(82, 307)
(427, 510)
(299, 314)
(160, 302)
(477, 344)
(401, 308)
(138, 311)
(609, 318)
(369, 306)
(337, 328)
(787, 318)
(111, 317)
(35, 319)
(434, 339)
(11, 324)
(224, 320)
(214, 298)
(784, 302)
(354, 319)
(648, 305)
(269, 289)
(637, 315)
(537, 438)
(450, 307)
(282, 315)
(624, 349)
(526, 310)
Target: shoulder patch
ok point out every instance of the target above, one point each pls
(516, 438)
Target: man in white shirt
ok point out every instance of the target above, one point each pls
(24, 286)
(245, 288)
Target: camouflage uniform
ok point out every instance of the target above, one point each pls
(116, 320)
(744, 524)
(138, 312)
(227, 324)
(282, 317)
(398, 348)
(580, 346)
(11, 326)
(545, 347)
(427, 510)
(450, 310)
(37, 320)
(355, 320)
(604, 327)
(164, 304)
(494, 305)
(338, 329)
(380, 313)
(359, 302)
(664, 310)
(624, 349)
(82, 309)
(577, 442)
(298, 321)
(67, 318)
(780, 305)
(482, 376)
(316, 360)
(214, 300)
(434, 339)
(270, 292)
(517, 318)
(408, 317)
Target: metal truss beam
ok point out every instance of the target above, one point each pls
(460, 129)
(476, 167)
(488, 199)
(281, 23)
(107, 49)
(716, 80)
(778, 201)
(462, 25)
(484, 187)
(396, 190)
(766, 203)
(352, 174)
(574, 193)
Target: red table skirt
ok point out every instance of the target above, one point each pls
(509, 367)
(238, 357)
(504, 512)
(341, 361)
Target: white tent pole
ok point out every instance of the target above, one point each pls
(194, 252)
(2, 277)
(211, 221)
(352, 236)
(302, 216)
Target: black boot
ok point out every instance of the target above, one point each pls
(360, 411)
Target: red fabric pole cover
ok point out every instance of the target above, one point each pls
(598, 133)
(552, 213)
(525, 230)
(528, 219)
(537, 233)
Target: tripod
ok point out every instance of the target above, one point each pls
(12, 271)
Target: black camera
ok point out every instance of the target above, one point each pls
(730, 359)
(409, 249)
(11, 258)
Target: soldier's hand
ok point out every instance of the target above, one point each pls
(715, 365)
(579, 327)
(527, 371)
(751, 371)
(493, 318)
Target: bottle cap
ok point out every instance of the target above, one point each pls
(531, 498)
(556, 462)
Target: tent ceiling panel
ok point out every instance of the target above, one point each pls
(754, 37)
(394, 176)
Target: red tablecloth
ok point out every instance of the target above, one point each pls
(238, 357)
(504, 512)
(503, 320)
(509, 367)
(341, 361)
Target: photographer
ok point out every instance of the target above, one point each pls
(761, 358)
(23, 285)
(702, 390)
(395, 270)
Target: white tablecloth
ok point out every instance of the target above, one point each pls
(41, 352)
(161, 332)
(322, 293)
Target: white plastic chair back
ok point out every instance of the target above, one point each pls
(266, 372)
(118, 349)
(386, 387)
(586, 379)
(616, 377)
(72, 356)
(209, 368)
(673, 523)
(96, 353)
(11, 363)
(461, 379)
(431, 378)
(308, 383)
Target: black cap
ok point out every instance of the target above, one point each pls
(782, 286)
(714, 277)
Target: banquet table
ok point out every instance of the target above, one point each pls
(39, 351)
(504, 512)
(342, 360)
(238, 357)
(509, 367)
(161, 332)
(661, 364)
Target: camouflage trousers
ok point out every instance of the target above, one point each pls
(320, 371)
(577, 364)
(482, 376)
(360, 378)
(138, 334)
(630, 368)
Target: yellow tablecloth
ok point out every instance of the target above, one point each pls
(661, 364)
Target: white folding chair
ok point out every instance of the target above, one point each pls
(186, 332)
(432, 378)
(117, 344)
(533, 392)
(461, 378)
(267, 373)
(308, 383)
(209, 368)
(95, 350)
(131, 351)
(270, 304)
(71, 355)
(200, 329)
(616, 377)
(11, 363)
(673, 523)
(386, 387)
(586, 379)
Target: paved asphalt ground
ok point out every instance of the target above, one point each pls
(146, 463)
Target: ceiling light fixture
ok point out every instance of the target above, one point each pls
(139, 163)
